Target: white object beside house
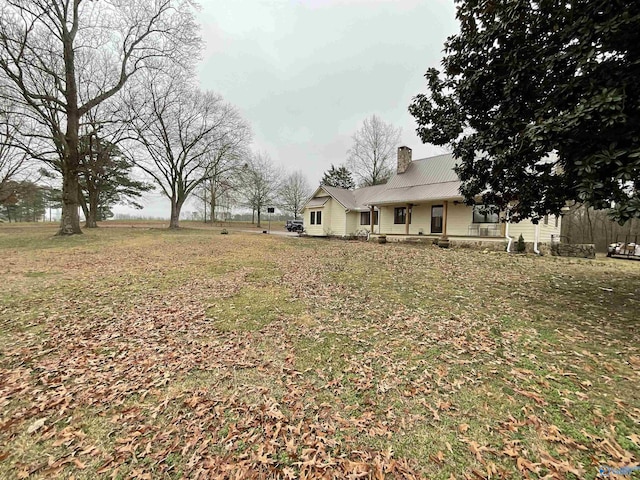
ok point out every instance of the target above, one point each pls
(421, 198)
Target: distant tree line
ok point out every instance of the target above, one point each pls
(26, 201)
(583, 224)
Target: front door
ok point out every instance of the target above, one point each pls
(436, 218)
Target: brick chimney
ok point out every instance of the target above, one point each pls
(404, 159)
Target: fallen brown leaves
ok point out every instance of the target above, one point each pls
(400, 362)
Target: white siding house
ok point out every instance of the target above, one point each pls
(421, 199)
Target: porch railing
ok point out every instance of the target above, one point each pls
(482, 230)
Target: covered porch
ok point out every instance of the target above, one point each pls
(434, 219)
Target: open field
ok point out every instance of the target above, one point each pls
(143, 353)
(187, 224)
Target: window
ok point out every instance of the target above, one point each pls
(399, 215)
(316, 218)
(546, 219)
(556, 217)
(483, 214)
(436, 218)
(365, 218)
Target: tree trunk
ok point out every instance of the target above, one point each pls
(213, 204)
(70, 221)
(258, 225)
(83, 204)
(92, 218)
(205, 206)
(176, 206)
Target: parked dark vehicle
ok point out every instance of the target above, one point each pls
(294, 225)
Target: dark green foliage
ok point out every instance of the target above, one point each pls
(105, 178)
(520, 245)
(524, 78)
(23, 201)
(338, 177)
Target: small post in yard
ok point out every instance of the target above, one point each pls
(270, 210)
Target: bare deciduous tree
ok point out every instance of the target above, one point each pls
(261, 181)
(186, 135)
(13, 159)
(219, 190)
(294, 191)
(584, 224)
(373, 151)
(50, 50)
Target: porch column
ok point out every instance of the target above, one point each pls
(371, 218)
(406, 220)
(444, 218)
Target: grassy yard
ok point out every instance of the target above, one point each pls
(143, 353)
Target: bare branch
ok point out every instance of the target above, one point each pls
(371, 156)
(186, 136)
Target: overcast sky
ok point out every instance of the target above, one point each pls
(306, 73)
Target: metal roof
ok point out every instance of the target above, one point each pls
(427, 179)
(418, 193)
(424, 180)
(364, 196)
(345, 197)
(426, 171)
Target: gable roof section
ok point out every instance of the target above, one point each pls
(342, 196)
(350, 199)
(317, 202)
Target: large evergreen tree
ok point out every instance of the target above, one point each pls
(528, 78)
(106, 179)
(338, 177)
(23, 201)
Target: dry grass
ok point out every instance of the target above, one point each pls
(139, 352)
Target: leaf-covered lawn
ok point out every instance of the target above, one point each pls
(143, 353)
